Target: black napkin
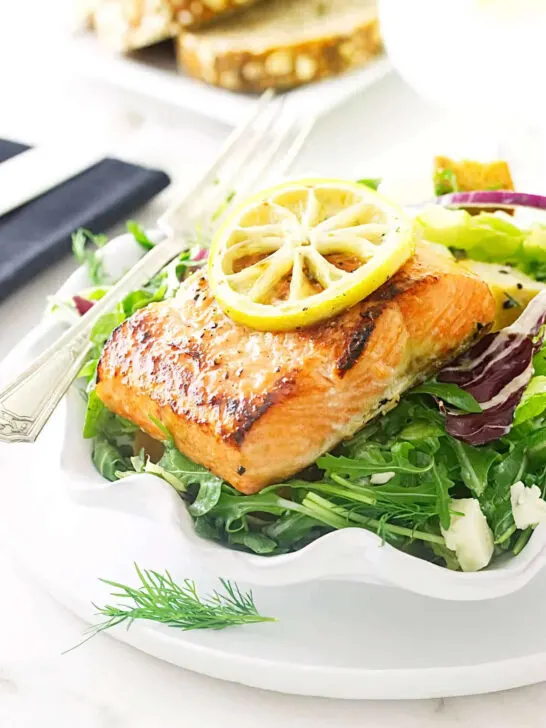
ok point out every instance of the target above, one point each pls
(39, 233)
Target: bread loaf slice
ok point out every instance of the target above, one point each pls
(126, 25)
(194, 13)
(282, 43)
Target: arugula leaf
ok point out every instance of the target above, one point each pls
(509, 470)
(139, 234)
(495, 499)
(442, 484)
(186, 470)
(373, 460)
(108, 459)
(84, 246)
(207, 497)
(182, 473)
(256, 542)
(475, 464)
(421, 430)
(536, 447)
(450, 393)
(291, 528)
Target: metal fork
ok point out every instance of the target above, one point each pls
(256, 152)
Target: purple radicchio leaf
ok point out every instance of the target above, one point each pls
(82, 304)
(496, 371)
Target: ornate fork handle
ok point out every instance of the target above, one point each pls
(27, 403)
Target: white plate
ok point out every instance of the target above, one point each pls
(333, 639)
(152, 72)
(351, 554)
(337, 640)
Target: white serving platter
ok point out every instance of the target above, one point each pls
(338, 640)
(334, 638)
(152, 73)
(351, 554)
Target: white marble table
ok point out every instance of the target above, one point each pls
(105, 684)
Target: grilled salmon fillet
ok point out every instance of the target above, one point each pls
(255, 407)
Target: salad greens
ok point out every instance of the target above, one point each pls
(400, 476)
(371, 182)
(84, 246)
(112, 435)
(488, 237)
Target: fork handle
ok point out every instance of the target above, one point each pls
(28, 401)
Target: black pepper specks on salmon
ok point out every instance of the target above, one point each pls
(241, 470)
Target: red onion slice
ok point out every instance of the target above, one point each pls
(493, 198)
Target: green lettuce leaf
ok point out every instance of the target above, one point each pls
(533, 402)
(485, 236)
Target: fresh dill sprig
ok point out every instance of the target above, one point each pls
(160, 599)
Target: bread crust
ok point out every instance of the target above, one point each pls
(126, 25)
(298, 59)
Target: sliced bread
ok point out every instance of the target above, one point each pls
(194, 13)
(282, 43)
(126, 25)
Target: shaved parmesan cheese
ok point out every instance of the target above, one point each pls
(469, 535)
(382, 478)
(528, 508)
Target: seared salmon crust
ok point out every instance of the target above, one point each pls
(256, 407)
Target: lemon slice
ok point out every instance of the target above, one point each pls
(305, 251)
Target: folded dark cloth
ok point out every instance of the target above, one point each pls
(39, 233)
